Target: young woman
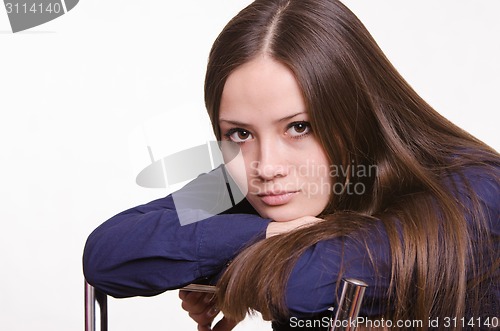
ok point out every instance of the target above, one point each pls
(347, 172)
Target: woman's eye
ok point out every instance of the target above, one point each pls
(298, 129)
(239, 135)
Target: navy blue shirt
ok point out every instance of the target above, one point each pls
(145, 250)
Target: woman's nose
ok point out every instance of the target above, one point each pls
(270, 162)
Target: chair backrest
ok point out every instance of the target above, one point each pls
(351, 298)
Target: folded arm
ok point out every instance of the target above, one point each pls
(145, 250)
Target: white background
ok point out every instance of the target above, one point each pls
(76, 92)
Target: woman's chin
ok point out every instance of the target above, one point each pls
(280, 214)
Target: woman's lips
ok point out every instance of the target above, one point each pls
(277, 199)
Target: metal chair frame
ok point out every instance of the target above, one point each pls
(92, 296)
(351, 298)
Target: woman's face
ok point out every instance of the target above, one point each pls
(283, 167)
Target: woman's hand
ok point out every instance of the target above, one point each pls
(275, 228)
(201, 308)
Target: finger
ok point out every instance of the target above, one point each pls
(225, 325)
(208, 298)
(308, 220)
(190, 295)
(206, 317)
(183, 294)
(194, 303)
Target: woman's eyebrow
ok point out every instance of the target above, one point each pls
(238, 123)
(284, 119)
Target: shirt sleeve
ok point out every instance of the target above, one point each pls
(145, 250)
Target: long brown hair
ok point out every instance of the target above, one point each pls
(363, 113)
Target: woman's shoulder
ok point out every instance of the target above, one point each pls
(480, 179)
(477, 187)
